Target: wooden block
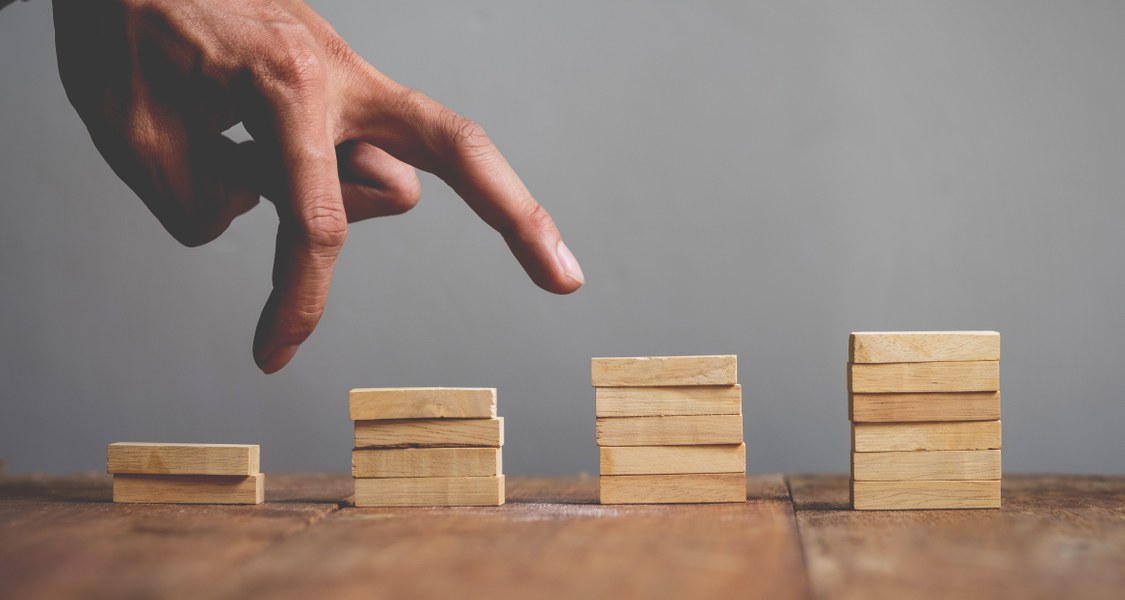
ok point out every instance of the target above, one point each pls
(913, 495)
(951, 465)
(923, 346)
(430, 491)
(673, 489)
(432, 433)
(368, 404)
(671, 460)
(898, 408)
(427, 462)
(664, 371)
(189, 489)
(979, 376)
(140, 458)
(699, 430)
(906, 437)
(668, 401)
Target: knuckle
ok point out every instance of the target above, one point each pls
(466, 136)
(325, 227)
(292, 57)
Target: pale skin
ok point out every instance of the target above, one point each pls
(335, 140)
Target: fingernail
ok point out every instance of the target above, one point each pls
(569, 263)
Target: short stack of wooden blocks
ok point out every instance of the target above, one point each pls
(925, 412)
(669, 429)
(427, 447)
(186, 473)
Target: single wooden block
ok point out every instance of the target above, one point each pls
(430, 491)
(672, 460)
(189, 489)
(966, 465)
(668, 401)
(914, 495)
(140, 458)
(949, 406)
(427, 462)
(979, 376)
(923, 346)
(432, 433)
(698, 430)
(907, 437)
(664, 371)
(368, 404)
(673, 489)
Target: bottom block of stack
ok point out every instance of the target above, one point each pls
(190, 489)
(430, 491)
(909, 495)
(673, 489)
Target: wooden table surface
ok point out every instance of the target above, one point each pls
(1056, 537)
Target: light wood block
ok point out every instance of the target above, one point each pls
(189, 489)
(700, 430)
(923, 346)
(922, 466)
(672, 460)
(369, 404)
(140, 458)
(673, 489)
(430, 433)
(979, 376)
(907, 437)
(427, 462)
(664, 371)
(898, 408)
(668, 401)
(915, 495)
(430, 491)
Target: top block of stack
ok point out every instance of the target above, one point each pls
(132, 458)
(923, 346)
(377, 404)
(659, 371)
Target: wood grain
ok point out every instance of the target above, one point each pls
(427, 462)
(925, 495)
(923, 346)
(430, 491)
(139, 458)
(189, 489)
(667, 460)
(673, 489)
(664, 371)
(898, 408)
(1054, 537)
(906, 437)
(368, 404)
(980, 376)
(551, 540)
(668, 401)
(436, 433)
(913, 466)
(669, 431)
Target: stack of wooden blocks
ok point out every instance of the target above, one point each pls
(186, 473)
(925, 412)
(427, 447)
(670, 429)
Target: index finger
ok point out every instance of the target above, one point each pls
(416, 129)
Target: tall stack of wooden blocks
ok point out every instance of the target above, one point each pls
(669, 429)
(186, 473)
(427, 447)
(925, 412)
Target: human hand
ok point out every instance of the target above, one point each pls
(157, 82)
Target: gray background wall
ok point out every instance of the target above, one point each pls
(756, 178)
